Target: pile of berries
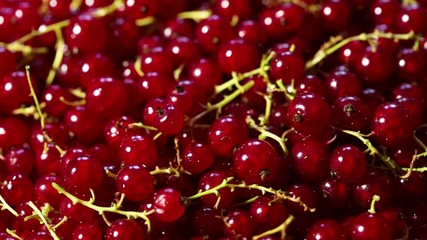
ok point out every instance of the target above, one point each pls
(216, 119)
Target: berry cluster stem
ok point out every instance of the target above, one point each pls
(373, 150)
(43, 220)
(226, 183)
(375, 199)
(227, 99)
(279, 229)
(264, 133)
(338, 42)
(196, 15)
(5, 206)
(115, 208)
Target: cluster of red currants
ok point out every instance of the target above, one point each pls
(216, 119)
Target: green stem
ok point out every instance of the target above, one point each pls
(234, 81)
(375, 199)
(101, 210)
(60, 48)
(265, 133)
(33, 94)
(213, 190)
(169, 170)
(144, 21)
(372, 150)
(43, 219)
(196, 15)
(279, 229)
(104, 11)
(279, 194)
(141, 125)
(227, 99)
(337, 42)
(4, 205)
(13, 234)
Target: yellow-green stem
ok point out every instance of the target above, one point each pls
(43, 220)
(372, 150)
(279, 229)
(337, 42)
(196, 15)
(101, 210)
(375, 199)
(5, 206)
(264, 133)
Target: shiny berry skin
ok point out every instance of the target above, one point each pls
(197, 157)
(116, 129)
(348, 163)
(154, 85)
(281, 22)
(169, 120)
(408, 90)
(267, 213)
(256, 161)
(212, 32)
(351, 113)
(308, 113)
(368, 66)
(76, 212)
(234, 8)
(252, 31)
(287, 66)
(410, 65)
(412, 18)
(335, 194)
(106, 96)
(207, 221)
(375, 183)
(326, 229)
(17, 189)
(385, 11)
(313, 84)
(124, 229)
(44, 191)
(92, 66)
(335, 15)
(414, 109)
(307, 194)
(168, 205)
(310, 159)
(343, 84)
(52, 96)
(83, 173)
(79, 37)
(138, 149)
(87, 231)
(369, 226)
(179, 27)
(389, 125)
(149, 111)
(87, 127)
(14, 91)
(205, 74)
(227, 133)
(158, 61)
(185, 50)
(135, 182)
(238, 56)
(210, 180)
(239, 225)
(350, 53)
(19, 160)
